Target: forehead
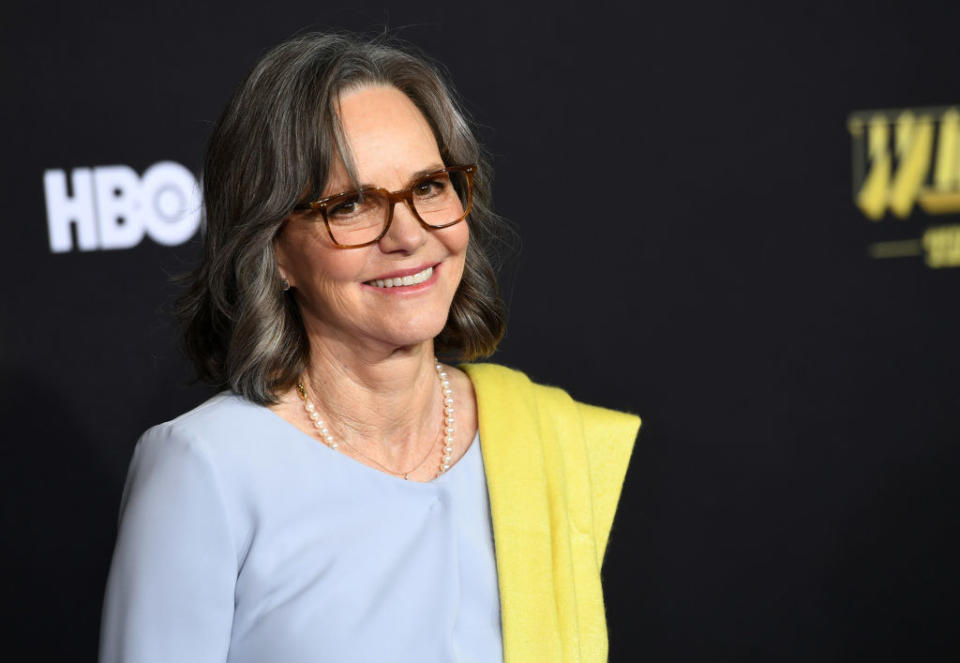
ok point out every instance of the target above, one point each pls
(388, 138)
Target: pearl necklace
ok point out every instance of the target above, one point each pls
(446, 432)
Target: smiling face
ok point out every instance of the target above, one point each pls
(393, 293)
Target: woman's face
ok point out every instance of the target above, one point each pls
(336, 288)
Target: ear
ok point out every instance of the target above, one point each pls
(280, 258)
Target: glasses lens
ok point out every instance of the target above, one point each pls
(442, 198)
(357, 218)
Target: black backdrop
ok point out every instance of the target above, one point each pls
(681, 175)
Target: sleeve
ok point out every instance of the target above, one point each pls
(170, 591)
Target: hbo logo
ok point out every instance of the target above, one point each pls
(111, 207)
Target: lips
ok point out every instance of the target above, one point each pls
(407, 279)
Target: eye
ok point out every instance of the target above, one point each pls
(430, 187)
(346, 207)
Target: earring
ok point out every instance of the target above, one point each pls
(284, 284)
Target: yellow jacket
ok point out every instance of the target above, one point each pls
(554, 471)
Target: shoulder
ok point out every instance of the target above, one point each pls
(537, 435)
(225, 432)
(215, 459)
(218, 418)
(498, 386)
(491, 379)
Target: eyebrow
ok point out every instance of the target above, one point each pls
(429, 170)
(426, 171)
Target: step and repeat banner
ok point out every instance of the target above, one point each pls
(740, 222)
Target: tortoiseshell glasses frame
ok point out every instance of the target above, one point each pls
(330, 205)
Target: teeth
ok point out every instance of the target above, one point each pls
(412, 279)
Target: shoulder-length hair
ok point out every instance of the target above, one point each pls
(273, 147)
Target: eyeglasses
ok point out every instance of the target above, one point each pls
(358, 218)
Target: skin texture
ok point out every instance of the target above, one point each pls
(371, 371)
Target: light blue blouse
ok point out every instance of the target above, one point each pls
(243, 539)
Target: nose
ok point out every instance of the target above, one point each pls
(405, 233)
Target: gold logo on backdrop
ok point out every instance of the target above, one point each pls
(907, 159)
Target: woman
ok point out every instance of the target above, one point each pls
(340, 500)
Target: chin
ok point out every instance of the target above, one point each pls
(411, 336)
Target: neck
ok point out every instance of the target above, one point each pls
(386, 404)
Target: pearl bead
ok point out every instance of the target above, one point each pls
(447, 429)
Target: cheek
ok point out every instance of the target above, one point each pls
(458, 239)
(324, 277)
(457, 243)
(319, 264)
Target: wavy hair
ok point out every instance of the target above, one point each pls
(272, 147)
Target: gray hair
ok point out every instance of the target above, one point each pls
(276, 140)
